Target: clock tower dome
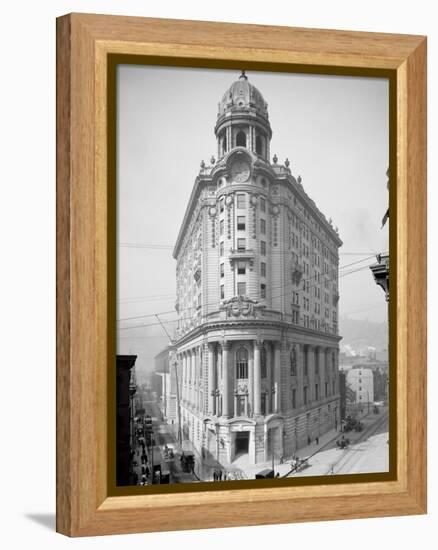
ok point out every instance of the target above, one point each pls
(242, 120)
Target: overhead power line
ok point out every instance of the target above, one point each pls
(185, 318)
(275, 287)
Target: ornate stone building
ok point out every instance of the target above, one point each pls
(257, 297)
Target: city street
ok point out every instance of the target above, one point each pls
(367, 452)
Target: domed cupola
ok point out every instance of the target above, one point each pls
(243, 120)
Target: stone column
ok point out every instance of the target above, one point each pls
(192, 376)
(225, 381)
(211, 387)
(250, 410)
(184, 376)
(277, 374)
(269, 396)
(257, 382)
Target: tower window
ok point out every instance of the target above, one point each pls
(241, 139)
(241, 268)
(241, 289)
(263, 248)
(262, 204)
(221, 227)
(221, 248)
(241, 200)
(221, 204)
(262, 269)
(259, 145)
(262, 226)
(263, 366)
(241, 244)
(241, 223)
(242, 363)
(222, 292)
(222, 270)
(262, 290)
(224, 143)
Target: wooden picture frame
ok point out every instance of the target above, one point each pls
(84, 236)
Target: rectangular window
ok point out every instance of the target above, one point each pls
(222, 292)
(305, 395)
(222, 270)
(326, 389)
(241, 268)
(221, 248)
(263, 227)
(316, 392)
(262, 204)
(263, 248)
(263, 269)
(221, 227)
(241, 289)
(241, 200)
(262, 291)
(241, 244)
(306, 361)
(241, 223)
(294, 398)
(263, 403)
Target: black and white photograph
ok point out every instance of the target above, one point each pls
(252, 275)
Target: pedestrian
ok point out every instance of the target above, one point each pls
(225, 476)
(220, 475)
(308, 440)
(317, 440)
(281, 459)
(277, 474)
(214, 475)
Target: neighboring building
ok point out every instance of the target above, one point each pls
(361, 381)
(380, 377)
(168, 390)
(257, 296)
(125, 391)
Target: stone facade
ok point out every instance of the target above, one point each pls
(257, 296)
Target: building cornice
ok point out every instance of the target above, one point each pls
(258, 324)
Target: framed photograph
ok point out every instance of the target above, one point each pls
(241, 331)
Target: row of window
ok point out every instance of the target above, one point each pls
(241, 269)
(241, 246)
(241, 203)
(241, 290)
(241, 225)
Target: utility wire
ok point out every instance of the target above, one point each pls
(182, 318)
(272, 288)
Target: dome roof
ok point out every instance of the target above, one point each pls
(242, 95)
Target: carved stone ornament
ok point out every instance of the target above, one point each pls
(229, 200)
(240, 306)
(212, 211)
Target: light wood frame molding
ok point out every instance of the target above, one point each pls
(83, 44)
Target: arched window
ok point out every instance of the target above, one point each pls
(241, 139)
(263, 367)
(224, 144)
(259, 145)
(293, 361)
(242, 363)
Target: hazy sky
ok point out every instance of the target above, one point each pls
(334, 130)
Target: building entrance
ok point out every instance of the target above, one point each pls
(241, 443)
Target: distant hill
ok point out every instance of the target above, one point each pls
(358, 334)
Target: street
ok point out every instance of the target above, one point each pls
(367, 452)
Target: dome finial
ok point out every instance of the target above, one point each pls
(243, 75)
